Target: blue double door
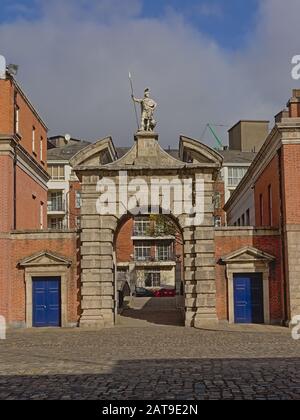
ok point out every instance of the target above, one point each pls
(46, 302)
(248, 299)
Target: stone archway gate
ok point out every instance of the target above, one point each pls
(145, 160)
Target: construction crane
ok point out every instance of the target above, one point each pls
(219, 142)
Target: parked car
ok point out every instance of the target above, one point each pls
(142, 292)
(165, 293)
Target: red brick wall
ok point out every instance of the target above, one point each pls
(12, 280)
(294, 110)
(124, 244)
(270, 176)
(5, 274)
(270, 244)
(291, 176)
(73, 211)
(27, 120)
(7, 107)
(219, 187)
(27, 207)
(6, 193)
(29, 197)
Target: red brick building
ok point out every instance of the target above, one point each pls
(273, 190)
(25, 244)
(149, 256)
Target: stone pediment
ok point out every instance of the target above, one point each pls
(195, 152)
(146, 153)
(247, 254)
(44, 258)
(96, 154)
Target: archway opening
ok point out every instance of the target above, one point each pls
(149, 271)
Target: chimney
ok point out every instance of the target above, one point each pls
(294, 104)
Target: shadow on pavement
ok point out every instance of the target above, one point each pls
(166, 379)
(157, 311)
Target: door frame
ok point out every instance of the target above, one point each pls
(41, 272)
(46, 264)
(248, 260)
(248, 276)
(47, 278)
(250, 268)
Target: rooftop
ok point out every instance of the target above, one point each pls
(65, 153)
(236, 156)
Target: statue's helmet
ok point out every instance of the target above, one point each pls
(147, 90)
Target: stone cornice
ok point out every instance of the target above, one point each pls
(134, 168)
(234, 231)
(31, 167)
(43, 234)
(44, 258)
(10, 146)
(247, 254)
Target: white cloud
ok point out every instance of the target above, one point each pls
(74, 64)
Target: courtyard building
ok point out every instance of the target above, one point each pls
(57, 272)
(38, 268)
(64, 191)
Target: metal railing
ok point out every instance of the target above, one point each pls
(57, 206)
(155, 259)
(148, 233)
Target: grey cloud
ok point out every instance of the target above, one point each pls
(76, 70)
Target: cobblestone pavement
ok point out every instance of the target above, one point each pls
(149, 363)
(158, 362)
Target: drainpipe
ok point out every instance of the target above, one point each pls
(15, 167)
(67, 208)
(283, 242)
(15, 189)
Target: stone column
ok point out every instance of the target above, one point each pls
(199, 265)
(97, 276)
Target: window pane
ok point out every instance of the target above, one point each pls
(61, 172)
(235, 175)
(163, 252)
(78, 199)
(142, 252)
(141, 227)
(152, 278)
(54, 172)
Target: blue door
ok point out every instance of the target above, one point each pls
(46, 301)
(248, 299)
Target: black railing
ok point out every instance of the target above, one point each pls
(155, 259)
(56, 206)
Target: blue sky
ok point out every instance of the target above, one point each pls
(228, 22)
(206, 61)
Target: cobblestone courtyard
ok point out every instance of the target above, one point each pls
(144, 360)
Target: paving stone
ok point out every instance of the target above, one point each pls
(157, 362)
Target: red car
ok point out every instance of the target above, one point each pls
(165, 293)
